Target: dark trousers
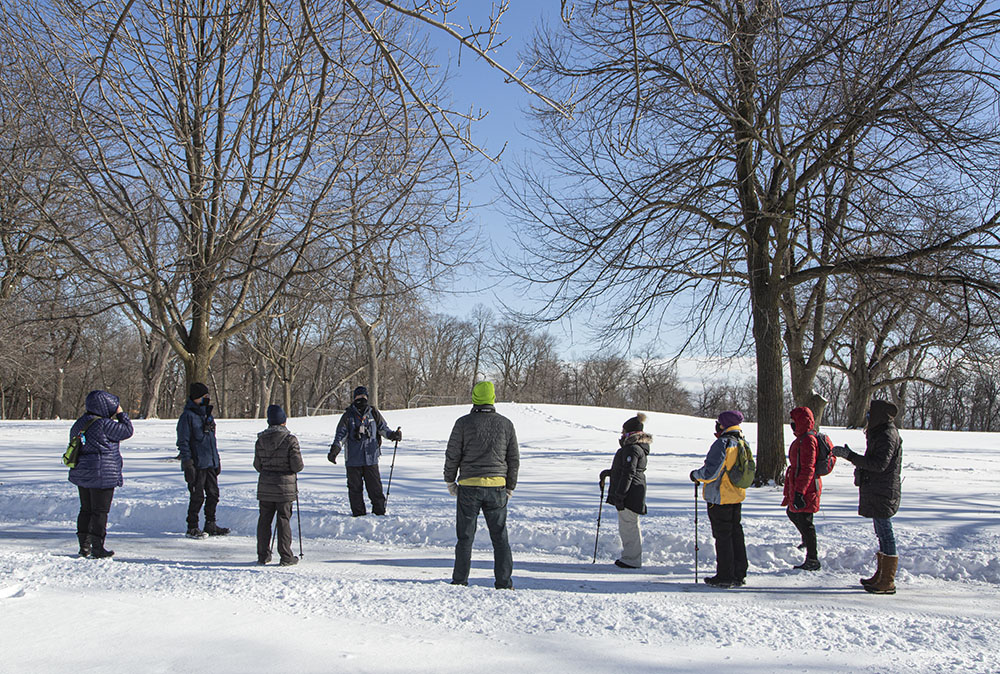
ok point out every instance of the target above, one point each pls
(204, 489)
(372, 480)
(804, 523)
(493, 502)
(730, 549)
(95, 504)
(268, 509)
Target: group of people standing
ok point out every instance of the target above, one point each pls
(876, 474)
(480, 470)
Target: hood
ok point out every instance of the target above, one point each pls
(881, 412)
(804, 420)
(639, 438)
(102, 403)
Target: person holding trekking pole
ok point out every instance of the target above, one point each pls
(627, 489)
(725, 501)
(360, 432)
(277, 458)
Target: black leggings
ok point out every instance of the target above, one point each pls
(804, 523)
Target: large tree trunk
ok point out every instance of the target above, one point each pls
(770, 385)
(154, 368)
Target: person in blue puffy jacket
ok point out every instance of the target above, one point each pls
(98, 469)
(200, 461)
(361, 430)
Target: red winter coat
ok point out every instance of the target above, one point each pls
(801, 474)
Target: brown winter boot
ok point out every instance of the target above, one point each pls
(886, 583)
(878, 571)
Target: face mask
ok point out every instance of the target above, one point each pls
(205, 401)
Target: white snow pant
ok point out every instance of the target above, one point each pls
(628, 529)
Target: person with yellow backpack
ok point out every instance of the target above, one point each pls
(724, 499)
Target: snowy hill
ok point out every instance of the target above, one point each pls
(371, 594)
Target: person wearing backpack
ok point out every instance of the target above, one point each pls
(803, 485)
(724, 500)
(361, 430)
(877, 476)
(98, 468)
(277, 458)
(627, 489)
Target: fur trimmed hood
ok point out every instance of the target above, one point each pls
(637, 438)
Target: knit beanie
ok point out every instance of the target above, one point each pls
(360, 392)
(198, 390)
(483, 393)
(634, 424)
(275, 415)
(730, 418)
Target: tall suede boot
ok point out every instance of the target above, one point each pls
(878, 571)
(886, 583)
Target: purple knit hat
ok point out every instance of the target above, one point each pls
(730, 418)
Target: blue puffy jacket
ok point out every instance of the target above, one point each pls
(99, 465)
(196, 436)
(364, 450)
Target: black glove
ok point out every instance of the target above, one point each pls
(841, 452)
(604, 475)
(395, 435)
(799, 501)
(693, 478)
(332, 454)
(189, 470)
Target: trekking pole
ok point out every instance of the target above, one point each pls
(695, 533)
(388, 487)
(274, 531)
(599, 508)
(298, 515)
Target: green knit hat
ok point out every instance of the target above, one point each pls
(483, 393)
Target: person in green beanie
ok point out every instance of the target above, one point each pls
(480, 468)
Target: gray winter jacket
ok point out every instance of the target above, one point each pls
(482, 444)
(277, 458)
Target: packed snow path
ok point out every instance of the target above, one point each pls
(371, 594)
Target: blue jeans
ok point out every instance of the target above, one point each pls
(886, 539)
(493, 502)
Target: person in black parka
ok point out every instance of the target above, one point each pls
(98, 469)
(199, 455)
(877, 476)
(277, 458)
(627, 488)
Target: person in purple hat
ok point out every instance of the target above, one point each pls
(725, 502)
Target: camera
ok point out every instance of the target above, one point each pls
(361, 432)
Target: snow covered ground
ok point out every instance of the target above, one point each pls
(372, 594)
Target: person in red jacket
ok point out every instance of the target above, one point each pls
(802, 486)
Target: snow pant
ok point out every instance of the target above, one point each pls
(493, 502)
(268, 509)
(886, 537)
(204, 489)
(372, 480)
(95, 504)
(628, 529)
(730, 548)
(804, 523)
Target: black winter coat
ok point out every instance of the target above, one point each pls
(627, 476)
(482, 444)
(277, 458)
(876, 472)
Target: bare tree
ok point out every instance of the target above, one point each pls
(700, 129)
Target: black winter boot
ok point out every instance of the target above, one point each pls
(97, 550)
(84, 544)
(212, 529)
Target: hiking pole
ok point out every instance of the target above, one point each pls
(599, 508)
(388, 487)
(298, 515)
(695, 533)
